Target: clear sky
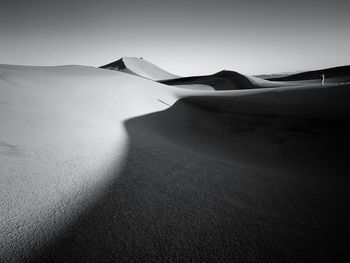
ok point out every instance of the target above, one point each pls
(185, 37)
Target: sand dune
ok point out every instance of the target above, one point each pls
(61, 140)
(105, 166)
(224, 80)
(342, 72)
(228, 80)
(140, 67)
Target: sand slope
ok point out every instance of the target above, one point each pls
(61, 136)
(104, 166)
(342, 72)
(139, 67)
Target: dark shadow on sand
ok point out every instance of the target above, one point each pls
(202, 184)
(223, 80)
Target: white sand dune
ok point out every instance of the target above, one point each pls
(101, 166)
(61, 134)
(140, 67)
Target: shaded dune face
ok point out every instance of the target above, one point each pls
(139, 67)
(315, 103)
(116, 65)
(223, 80)
(207, 185)
(342, 72)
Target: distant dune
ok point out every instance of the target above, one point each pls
(342, 72)
(223, 80)
(135, 164)
(140, 67)
(275, 75)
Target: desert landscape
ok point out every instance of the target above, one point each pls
(131, 163)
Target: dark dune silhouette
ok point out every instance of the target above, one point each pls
(116, 65)
(223, 80)
(335, 72)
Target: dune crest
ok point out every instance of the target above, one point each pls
(139, 67)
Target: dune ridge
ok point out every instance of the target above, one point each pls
(342, 72)
(223, 80)
(139, 67)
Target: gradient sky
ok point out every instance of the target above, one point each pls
(185, 37)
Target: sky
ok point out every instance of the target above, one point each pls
(185, 37)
